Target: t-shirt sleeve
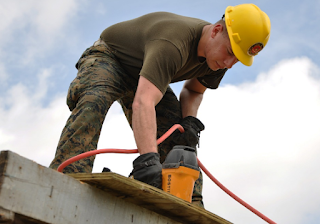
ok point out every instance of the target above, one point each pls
(161, 62)
(212, 81)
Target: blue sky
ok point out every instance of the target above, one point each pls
(262, 124)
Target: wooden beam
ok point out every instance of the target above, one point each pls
(31, 193)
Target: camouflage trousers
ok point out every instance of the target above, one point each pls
(100, 81)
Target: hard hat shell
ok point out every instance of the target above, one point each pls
(248, 29)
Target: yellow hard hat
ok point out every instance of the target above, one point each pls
(248, 29)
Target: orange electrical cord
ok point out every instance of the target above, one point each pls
(161, 139)
(127, 151)
(235, 197)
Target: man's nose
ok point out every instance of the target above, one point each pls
(230, 61)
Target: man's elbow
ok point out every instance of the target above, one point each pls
(193, 85)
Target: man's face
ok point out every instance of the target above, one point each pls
(218, 51)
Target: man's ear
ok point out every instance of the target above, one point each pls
(216, 29)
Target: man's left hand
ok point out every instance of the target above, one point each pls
(190, 137)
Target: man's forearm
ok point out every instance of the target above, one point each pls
(190, 102)
(144, 123)
(145, 129)
(191, 97)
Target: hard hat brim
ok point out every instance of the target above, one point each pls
(242, 57)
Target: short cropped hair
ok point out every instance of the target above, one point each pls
(223, 23)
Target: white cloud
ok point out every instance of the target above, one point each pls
(27, 127)
(35, 26)
(261, 140)
(33, 130)
(116, 133)
(3, 74)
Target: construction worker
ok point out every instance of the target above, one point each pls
(134, 62)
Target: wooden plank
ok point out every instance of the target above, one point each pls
(150, 197)
(6, 216)
(31, 193)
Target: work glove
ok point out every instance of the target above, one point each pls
(148, 169)
(191, 135)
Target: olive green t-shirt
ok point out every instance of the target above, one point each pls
(162, 47)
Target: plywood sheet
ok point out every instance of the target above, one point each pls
(150, 198)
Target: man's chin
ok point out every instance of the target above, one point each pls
(213, 68)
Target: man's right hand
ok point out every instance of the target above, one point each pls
(148, 169)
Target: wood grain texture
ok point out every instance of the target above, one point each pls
(31, 193)
(149, 197)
